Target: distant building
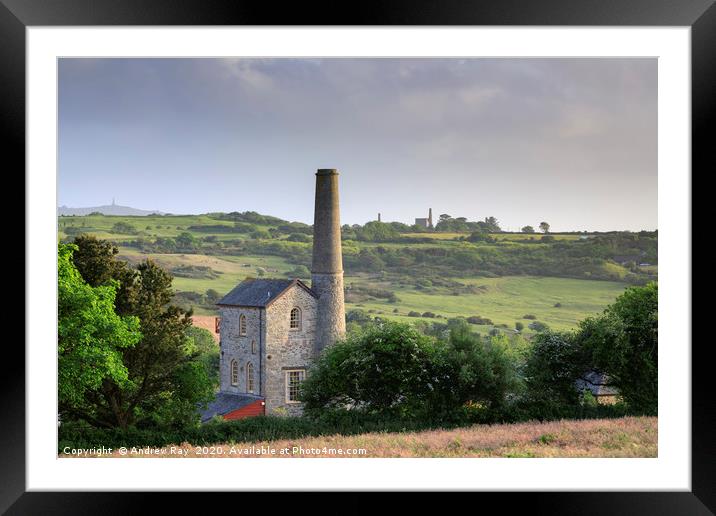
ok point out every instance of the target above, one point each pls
(378, 216)
(598, 384)
(426, 223)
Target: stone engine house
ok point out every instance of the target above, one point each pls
(272, 330)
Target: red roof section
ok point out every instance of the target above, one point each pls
(257, 408)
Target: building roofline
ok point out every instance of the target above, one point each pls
(295, 281)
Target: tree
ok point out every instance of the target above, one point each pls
(544, 227)
(528, 229)
(94, 259)
(492, 225)
(624, 344)
(377, 232)
(165, 380)
(208, 351)
(555, 362)
(480, 369)
(91, 336)
(384, 370)
(391, 369)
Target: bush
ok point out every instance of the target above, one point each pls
(529, 316)
(124, 228)
(413, 313)
(538, 326)
(73, 231)
(298, 237)
(476, 319)
(392, 370)
(519, 326)
(249, 430)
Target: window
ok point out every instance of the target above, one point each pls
(249, 377)
(293, 381)
(295, 319)
(234, 373)
(253, 347)
(242, 325)
(217, 323)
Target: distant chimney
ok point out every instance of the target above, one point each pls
(430, 217)
(378, 216)
(327, 268)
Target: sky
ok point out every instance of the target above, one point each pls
(569, 141)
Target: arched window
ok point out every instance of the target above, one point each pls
(249, 377)
(234, 372)
(242, 325)
(295, 319)
(253, 347)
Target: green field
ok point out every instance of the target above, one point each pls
(232, 269)
(504, 300)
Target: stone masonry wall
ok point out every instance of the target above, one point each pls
(234, 346)
(287, 348)
(331, 309)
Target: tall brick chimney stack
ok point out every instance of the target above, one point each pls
(327, 268)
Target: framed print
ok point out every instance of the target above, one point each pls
(478, 312)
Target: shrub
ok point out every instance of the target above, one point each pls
(388, 369)
(413, 313)
(393, 370)
(124, 228)
(476, 319)
(538, 326)
(298, 237)
(529, 316)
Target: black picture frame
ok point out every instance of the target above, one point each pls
(700, 15)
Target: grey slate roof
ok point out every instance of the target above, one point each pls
(259, 292)
(226, 402)
(597, 383)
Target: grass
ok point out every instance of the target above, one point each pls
(506, 300)
(232, 269)
(623, 437)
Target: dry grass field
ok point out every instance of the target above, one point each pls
(624, 437)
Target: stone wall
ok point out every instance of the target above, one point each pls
(331, 309)
(287, 348)
(237, 347)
